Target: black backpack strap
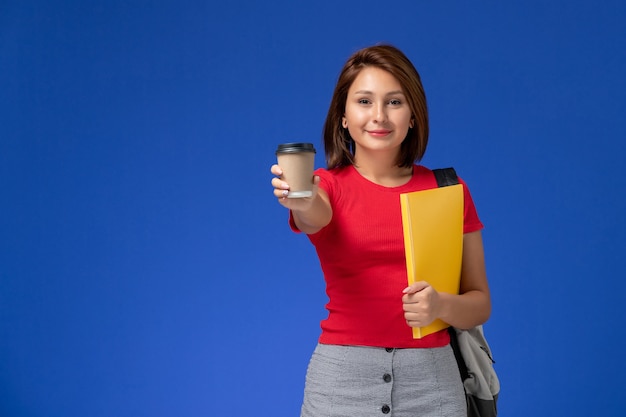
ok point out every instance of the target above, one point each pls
(454, 343)
(445, 176)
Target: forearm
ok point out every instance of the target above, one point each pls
(466, 310)
(314, 217)
(473, 306)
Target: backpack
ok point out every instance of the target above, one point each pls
(471, 350)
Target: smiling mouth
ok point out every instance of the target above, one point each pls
(379, 132)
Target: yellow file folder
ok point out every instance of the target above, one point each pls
(432, 222)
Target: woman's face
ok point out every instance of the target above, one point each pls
(377, 114)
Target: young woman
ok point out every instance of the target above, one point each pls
(367, 362)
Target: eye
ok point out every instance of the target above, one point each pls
(364, 101)
(395, 102)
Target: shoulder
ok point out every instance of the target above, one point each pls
(331, 179)
(332, 173)
(421, 171)
(423, 178)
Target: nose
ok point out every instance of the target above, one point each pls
(380, 113)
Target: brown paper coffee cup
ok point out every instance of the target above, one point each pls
(297, 160)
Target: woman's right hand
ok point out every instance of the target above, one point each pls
(281, 191)
(310, 214)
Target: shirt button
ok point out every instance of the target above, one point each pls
(389, 349)
(385, 409)
(387, 378)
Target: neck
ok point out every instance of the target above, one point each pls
(383, 172)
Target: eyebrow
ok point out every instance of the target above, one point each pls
(391, 93)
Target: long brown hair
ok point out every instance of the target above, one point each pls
(338, 144)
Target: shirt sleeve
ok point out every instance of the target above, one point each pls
(471, 222)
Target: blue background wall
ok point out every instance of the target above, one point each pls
(145, 267)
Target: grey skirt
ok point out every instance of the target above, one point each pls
(356, 381)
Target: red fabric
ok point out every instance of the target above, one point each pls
(361, 253)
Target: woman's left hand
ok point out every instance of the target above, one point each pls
(421, 304)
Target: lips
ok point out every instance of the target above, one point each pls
(379, 132)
